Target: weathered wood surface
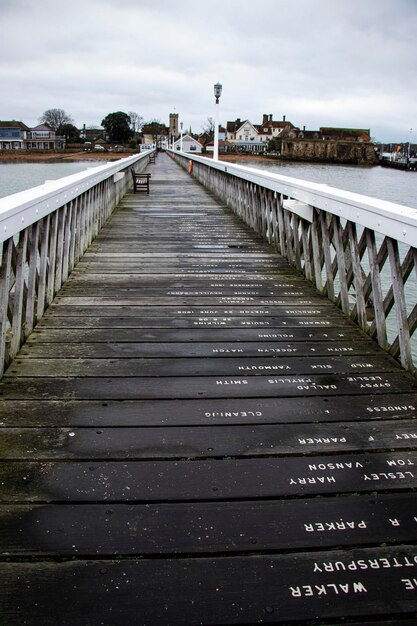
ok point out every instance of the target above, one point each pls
(192, 435)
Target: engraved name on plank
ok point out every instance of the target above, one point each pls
(400, 566)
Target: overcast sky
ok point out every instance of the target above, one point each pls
(349, 63)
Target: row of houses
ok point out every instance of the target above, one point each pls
(248, 137)
(17, 136)
(238, 136)
(244, 136)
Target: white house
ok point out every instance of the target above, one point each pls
(43, 137)
(250, 137)
(247, 138)
(189, 144)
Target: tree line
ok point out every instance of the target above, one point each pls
(120, 127)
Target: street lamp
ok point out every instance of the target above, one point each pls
(181, 124)
(409, 147)
(217, 94)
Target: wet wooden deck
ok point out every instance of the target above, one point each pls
(192, 435)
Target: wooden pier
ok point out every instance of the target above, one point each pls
(193, 435)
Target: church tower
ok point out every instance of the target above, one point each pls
(173, 127)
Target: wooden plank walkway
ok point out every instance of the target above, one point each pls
(192, 435)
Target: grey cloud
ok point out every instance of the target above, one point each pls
(319, 62)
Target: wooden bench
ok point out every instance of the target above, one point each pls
(152, 157)
(140, 181)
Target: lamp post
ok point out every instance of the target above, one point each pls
(217, 94)
(181, 124)
(409, 148)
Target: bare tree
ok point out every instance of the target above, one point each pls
(55, 118)
(136, 121)
(208, 127)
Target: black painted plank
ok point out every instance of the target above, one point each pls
(167, 295)
(150, 481)
(229, 301)
(211, 269)
(178, 280)
(190, 283)
(215, 411)
(195, 322)
(121, 367)
(62, 310)
(206, 387)
(206, 442)
(363, 582)
(198, 349)
(264, 269)
(191, 335)
(209, 527)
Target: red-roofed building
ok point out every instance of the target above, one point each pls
(271, 128)
(43, 137)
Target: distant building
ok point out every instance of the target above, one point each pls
(244, 136)
(345, 134)
(308, 134)
(224, 146)
(173, 127)
(205, 138)
(231, 128)
(94, 133)
(155, 135)
(17, 136)
(189, 144)
(248, 137)
(13, 135)
(42, 137)
(272, 128)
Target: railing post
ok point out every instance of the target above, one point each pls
(43, 266)
(19, 293)
(31, 280)
(400, 304)
(5, 286)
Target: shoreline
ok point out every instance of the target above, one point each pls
(74, 157)
(59, 157)
(90, 155)
(236, 158)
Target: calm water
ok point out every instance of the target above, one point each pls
(16, 177)
(378, 182)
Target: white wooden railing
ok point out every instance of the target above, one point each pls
(43, 233)
(358, 251)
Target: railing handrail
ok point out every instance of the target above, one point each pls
(387, 218)
(20, 210)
